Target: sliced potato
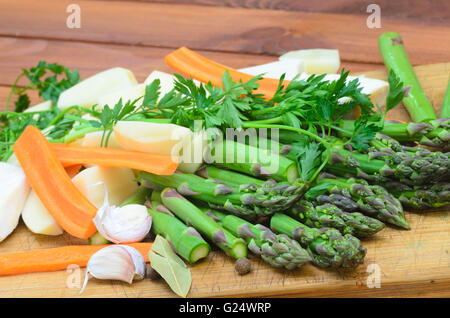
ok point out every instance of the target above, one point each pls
(375, 88)
(14, 190)
(316, 61)
(192, 156)
(87, 92)
(120, 184)
(37, 218)
(157, 138)
(167, 81)
(94, 139)
(289, 67)
(47, 105)
(127, 94)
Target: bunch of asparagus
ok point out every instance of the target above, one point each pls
(316, 204)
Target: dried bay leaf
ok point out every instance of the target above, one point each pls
(171, 267)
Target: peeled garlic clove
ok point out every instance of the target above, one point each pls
(139, 262)
(128, 224)
(115, 262)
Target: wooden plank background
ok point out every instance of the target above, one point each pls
(138, 34)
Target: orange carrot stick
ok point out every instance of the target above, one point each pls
(200, 68)
(70, 154)
(55, 259)
(402, 121)
(72, 171)
(47, 177)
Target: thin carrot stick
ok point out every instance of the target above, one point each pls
(47, 177)
(200, 68)
(55, 259)
(70, 154)
(72, 171)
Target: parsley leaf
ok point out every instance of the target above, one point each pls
(308, 156)
(396, 92)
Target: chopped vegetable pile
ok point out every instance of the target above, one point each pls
(295, 166)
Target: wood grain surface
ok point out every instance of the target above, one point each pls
(413, 263)
(221, 29)
(411, 9)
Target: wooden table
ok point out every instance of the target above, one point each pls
(238, 33)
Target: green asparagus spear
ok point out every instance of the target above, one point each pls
(396, 59)
(445, 110)
(421, 197)
(193, 216)
(372, 200)
(433, 134)
(186, 241)
(410, 170)
(247, 202)
(330, 215)
(278, 250)
(258, 162)
(327, 246)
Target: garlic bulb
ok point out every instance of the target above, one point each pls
(127, 224)
(116, 262)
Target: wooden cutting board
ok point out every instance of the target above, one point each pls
(412, 263)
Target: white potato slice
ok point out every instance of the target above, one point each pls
(87, 92)
(94, 139)
(289, 67)
(193, 153)
(375, 88)
(127, 94)
(47, 105)
(316, 61)
(120, 184)
(157, 138)
(167, 81)
(37, 218)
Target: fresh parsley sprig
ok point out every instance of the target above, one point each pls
(48, 79)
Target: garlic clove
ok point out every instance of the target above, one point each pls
(139, 262)
(115, 262)
(128, 224)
